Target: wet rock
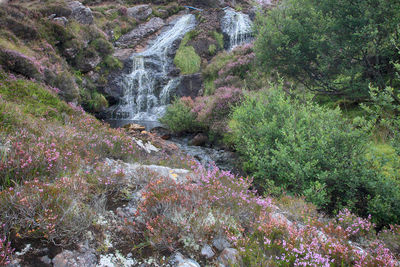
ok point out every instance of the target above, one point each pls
(140, 12)
(135, 36)
(123, 54)
(191, 85)
(75, 259)
(174, 72)
(81, 13)
(207, 251)
(199, 140)
(221, 243)
(229, 257)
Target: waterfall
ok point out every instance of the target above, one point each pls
(148, 88)
(237, 27)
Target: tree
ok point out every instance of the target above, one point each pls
(331, 46)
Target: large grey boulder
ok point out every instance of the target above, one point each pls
(81, 13)
(137, 35)
(140, 12)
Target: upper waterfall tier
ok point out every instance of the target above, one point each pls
(148, 88)
(238, 27)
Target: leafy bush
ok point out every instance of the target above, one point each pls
(309, 150)
(179, 116)
(337, 52)
(187, 60)
(212, 49)
(383, 114)
(102, 46)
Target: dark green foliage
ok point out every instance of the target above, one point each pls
(330, 46)
(112, 63)
(102, 46)
(56, 34)
(94, 102)
(179, 116)
(312, 151)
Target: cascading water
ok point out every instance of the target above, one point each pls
(148, 88)
(238, 28)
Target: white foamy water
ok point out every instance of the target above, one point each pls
(148, 89)
(238, 27)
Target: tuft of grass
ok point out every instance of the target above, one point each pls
(187, 60)
(32, 98)
(212, 49)
(219, 37)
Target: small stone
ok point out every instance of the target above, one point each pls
(199, 140)
(207, 251)
(63, 21)
(221, 243)
(135, 127)
(46, 260)
(229, 257)
(188, 263)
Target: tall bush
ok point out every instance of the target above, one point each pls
(310, 150)
(335, 47)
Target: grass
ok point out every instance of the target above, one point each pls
(187, 60)
(32, 98)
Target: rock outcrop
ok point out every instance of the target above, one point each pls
(140, 12)
(81, 13)
(135, 36)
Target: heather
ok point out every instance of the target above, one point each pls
(307, 117)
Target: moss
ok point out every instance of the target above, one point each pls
(219, 37)
(188, 37)
(187, 60)
(32, 98)
(212, 49)
(10, 42)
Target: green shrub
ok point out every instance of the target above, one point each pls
(212, 49)
(187, 60)
(113, 63)
(302, 41)
(219, 37)
(312, 151)
(102, 46)
(179, 116)
(32, 98)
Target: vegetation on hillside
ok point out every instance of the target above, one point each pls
(332, 47)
